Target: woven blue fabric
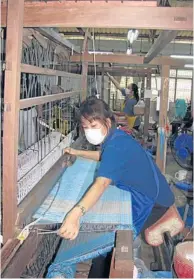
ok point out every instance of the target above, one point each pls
(85, 247)
(97, 232)
(113, 210)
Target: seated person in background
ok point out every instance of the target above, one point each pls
(131, 99)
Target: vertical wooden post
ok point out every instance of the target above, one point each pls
(15, 10)
(175, 85)
(192, 94)
(102, 82)
(161, 158)
(84, 67)
(109, 91)
(142, 87)
(147, 107)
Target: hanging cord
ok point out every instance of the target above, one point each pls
(94, 53)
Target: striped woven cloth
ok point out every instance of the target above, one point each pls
(98, 226)
(112, 211)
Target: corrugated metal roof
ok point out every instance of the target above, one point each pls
(120, 31)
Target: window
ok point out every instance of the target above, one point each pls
(183, 90)
(184, 74)
(171, 89)
(173, 73)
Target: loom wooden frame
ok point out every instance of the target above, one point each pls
(81, 14)
(77, 14)
(130, 59)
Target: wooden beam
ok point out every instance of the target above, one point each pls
(8, 251)
(29, 102)
(130, 59)
(30, 69)
(122, 264)
(109, 90)
(57, 38)
(15, 10)
(85, 66)
(162, 41)
(27, 258)
(161, 150)
(34, 199)
(22, 257)
(115, 71)
(104, 15)
(147, 107)
(142, 87)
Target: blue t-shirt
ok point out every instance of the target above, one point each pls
(129, 107)
(127, 164)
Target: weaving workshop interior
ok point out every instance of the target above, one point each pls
(96, 139)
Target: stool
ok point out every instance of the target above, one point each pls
(161, 232)
(170, 222)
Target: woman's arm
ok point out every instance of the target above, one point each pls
(115, 82)
(93, 155)
(119, 113)
(70, 226)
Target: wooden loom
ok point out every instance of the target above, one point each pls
(18, 260)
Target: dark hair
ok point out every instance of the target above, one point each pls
(135, 91)
(96, 109)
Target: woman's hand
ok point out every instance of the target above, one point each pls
(70, 227)
(70, 151)
(69, 162)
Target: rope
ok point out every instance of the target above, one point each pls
(94, 53)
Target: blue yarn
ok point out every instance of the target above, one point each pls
(63, 272)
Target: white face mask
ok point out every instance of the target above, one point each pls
(94, 136)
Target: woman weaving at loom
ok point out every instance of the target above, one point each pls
(124, 163)
(131, 99)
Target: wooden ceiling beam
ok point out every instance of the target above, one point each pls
(116, 71)
(162, 41)
(104, 15)
(130, 59)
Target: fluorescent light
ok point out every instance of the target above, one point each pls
(100, 52)
(189, 66)
(182, 56)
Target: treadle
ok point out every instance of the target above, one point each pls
(157, 265)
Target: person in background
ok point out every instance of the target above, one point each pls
(123, 163)
(131, 99)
